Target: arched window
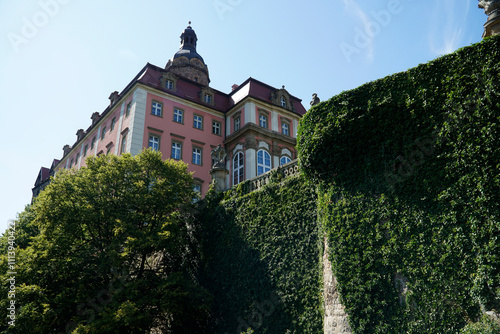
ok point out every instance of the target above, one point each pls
(263, 162)
(284, 160)
(238, 168)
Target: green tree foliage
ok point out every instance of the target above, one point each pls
(486, 326)
(109, 249)
(409, 175)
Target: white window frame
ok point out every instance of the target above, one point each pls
(123, 148)
(238, 168)
(285, 128)
(178, 115)
(284, 160)
(263, 121)
(216, 128)
(154, 140)
(237, 123)
(156, 108)
(169, 84)
(197, 156)
(262, 157)
(283, 102)
(198, 122)
(176, 148)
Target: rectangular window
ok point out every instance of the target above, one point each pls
(93, 143)
(156, 108)
(113, 122)
(169, 84)
(263, 121)
(71, 163)
(103, 134)
(85, 149)
(216, 127)
(198, 122)
(129, 107)
(77, 158)
(237, 123)
(285, 129)
(208, 98)
(123, 148)
(197, 191)
(283, 102)
(154, 142)
(178, 115)
(176, 150)
(197, 156)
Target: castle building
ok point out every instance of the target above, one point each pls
(176, 111)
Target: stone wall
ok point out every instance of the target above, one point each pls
(335, 319)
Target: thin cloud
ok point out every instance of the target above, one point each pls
(448, 17)
(357, 11)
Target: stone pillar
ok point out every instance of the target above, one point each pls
(335, 319)
(219, 177)
(492, 9)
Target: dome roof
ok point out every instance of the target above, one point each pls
(188, 45)
(187, 62)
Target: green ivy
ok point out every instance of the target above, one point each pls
(261, 258)
(408, 169)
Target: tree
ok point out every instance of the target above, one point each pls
(114, 252)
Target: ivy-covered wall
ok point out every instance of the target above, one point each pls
(261, 258)
(408, 172)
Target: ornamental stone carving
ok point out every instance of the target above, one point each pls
(219, 157)
(251, 143)
(219, 171)
(315, 100)
(492, 9)
(489, 6)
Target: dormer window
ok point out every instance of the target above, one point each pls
(206, 95)
(169, 80)
(283, 102)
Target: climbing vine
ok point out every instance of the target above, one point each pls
(408, 169)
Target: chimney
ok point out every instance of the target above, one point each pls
(66, 149)
(95, 118)
(79, 134)
(235, 87)
(113, 97)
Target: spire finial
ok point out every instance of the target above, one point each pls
(189, 23)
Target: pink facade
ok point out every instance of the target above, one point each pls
(175, 111)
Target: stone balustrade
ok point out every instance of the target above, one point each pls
(288, 170)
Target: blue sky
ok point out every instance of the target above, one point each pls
(60, 59)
